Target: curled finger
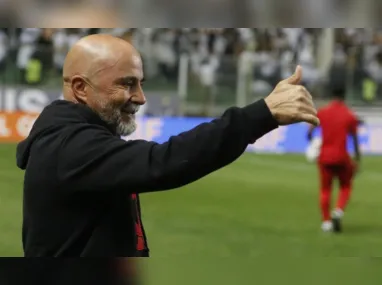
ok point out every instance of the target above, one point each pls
(310, 119)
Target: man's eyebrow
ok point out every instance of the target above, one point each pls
(126, 79)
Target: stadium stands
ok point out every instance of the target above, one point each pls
(34, 57)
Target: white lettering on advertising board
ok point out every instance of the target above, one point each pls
(24, 125)
(270, 142)
(147, 129)
(28, 100)
(4, 130)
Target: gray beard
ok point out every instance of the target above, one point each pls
(114, 118)
(122, 128)
(126, 128)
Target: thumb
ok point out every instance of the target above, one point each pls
(296, 77)
(311, 119)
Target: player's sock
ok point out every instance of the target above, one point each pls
(325, 204)
(327, 226)
(343, 198)
(338, 213)
(336, 220)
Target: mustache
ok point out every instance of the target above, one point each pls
(130, 108)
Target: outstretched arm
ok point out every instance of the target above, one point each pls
(92, 159)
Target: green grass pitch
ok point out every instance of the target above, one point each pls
(262, 207)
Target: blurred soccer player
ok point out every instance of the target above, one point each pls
(334, 161)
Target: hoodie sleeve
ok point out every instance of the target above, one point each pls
(91, 159)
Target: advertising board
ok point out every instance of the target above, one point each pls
(290, 139)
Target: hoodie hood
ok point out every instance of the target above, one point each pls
(52, 119)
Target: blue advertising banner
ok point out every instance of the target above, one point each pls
(289, 139)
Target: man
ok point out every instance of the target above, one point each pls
(82, 181)
(337, 123)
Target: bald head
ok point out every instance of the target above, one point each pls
(96, 53)
(105, 73)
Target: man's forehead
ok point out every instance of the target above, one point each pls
(136, 60)
(131, 67)
(124, 67)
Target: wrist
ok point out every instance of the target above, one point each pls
(260, 119)
(271, 106)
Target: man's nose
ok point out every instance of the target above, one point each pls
(139, 97)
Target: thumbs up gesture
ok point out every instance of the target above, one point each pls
(291, 103)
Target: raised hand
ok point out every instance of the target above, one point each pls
(291, 103)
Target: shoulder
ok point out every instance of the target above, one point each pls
(82, 143)
(94, 138)
(350, 114)
(322, 111)
(85, 134)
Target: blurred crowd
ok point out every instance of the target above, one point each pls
(197, 13)
(270, 54)
(358, 57)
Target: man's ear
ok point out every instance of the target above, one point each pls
(78, 85)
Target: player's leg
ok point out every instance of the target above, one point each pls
(326, 179)
(345, 176)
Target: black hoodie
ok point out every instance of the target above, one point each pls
(80, 177)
